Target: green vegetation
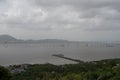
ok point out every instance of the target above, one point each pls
(97, 70)
(4, 74)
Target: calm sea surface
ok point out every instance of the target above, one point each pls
(42, 53)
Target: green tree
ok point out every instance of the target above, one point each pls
(4, 74)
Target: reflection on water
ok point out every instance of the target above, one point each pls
(41, 53)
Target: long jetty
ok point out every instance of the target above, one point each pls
(62, 56)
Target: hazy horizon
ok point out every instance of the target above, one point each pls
(55, 39)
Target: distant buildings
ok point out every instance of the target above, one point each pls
(18, 68)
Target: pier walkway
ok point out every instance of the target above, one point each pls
(62, 56)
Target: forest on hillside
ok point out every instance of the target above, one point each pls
(95, 70)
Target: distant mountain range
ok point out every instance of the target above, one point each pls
(4, 39)
(10, 39)
(7, 38)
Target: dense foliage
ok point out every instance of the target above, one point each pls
(97, 70)
(4, 74)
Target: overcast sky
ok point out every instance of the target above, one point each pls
(81, 20)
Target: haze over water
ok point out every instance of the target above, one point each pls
(42, 53)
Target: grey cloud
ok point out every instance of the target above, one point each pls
(67, 14)
(87, 11)
(85, 4)
(66, 19)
